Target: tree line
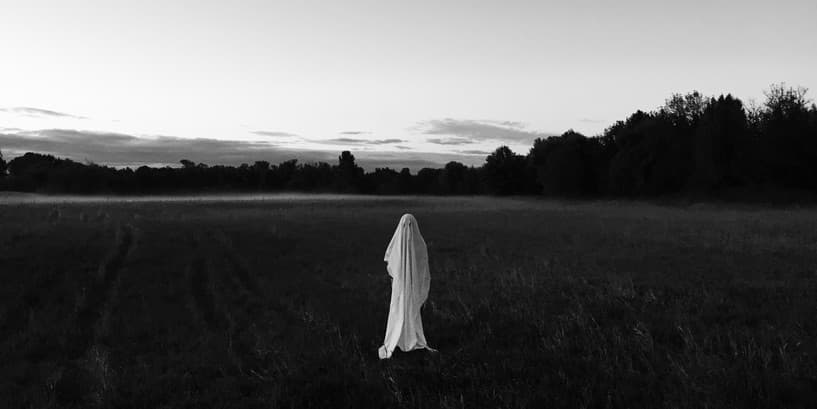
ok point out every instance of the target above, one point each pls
(692, 144)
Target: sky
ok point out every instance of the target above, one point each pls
(399, 83)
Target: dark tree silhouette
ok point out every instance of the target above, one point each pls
(311, 177)
(405, 181)
(285, 173)
(428, 181)
(506, 173)
(566, 164)
(653, 150)
(684, 110)
(349, 175)
(3, 165)
(261, 170)
(720, 145)
(788, 137)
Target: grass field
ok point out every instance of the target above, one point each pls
(282, 302)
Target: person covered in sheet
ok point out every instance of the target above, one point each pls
(407, 263)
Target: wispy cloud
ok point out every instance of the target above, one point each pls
(464, 131)
(356, 141)
(450, 141)
(274, 133)
(354, 133)
(591, 121)
(474, 152)
(39, 112)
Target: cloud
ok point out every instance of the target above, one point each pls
(450, 141)
(38, 112)
(414, 160)
(355, 141)
(354, 133)
(402, 147)
(464, 131)
(118, 149)
(125, 150)
(474, 152)
(273, 133)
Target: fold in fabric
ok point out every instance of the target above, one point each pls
(407, 263)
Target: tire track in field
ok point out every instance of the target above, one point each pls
(237, 264)
(87, 376)
(278, 328)
(97, 297)
(293, 311)
(261, 323)
(203, 301)
(206, 304)
(247, 281)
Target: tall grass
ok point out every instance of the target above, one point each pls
(532, 304)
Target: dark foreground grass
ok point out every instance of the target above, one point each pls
(283, 303)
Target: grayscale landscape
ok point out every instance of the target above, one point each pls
(408, 204)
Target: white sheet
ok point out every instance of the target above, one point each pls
(407, 263)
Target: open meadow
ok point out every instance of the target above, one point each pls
(281, 301)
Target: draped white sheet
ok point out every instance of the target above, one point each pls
(407, 263)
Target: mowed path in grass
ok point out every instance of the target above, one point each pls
(282, 300)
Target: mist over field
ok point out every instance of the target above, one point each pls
(34, 198)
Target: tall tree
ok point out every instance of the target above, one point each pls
(3, 165)
(568, 164)
(506, 173)
(787, 139)
(720, 139)
(452, 178)
(684, 110)
(261, 169)
(349, 175)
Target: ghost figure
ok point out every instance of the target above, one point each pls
(407, 263)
